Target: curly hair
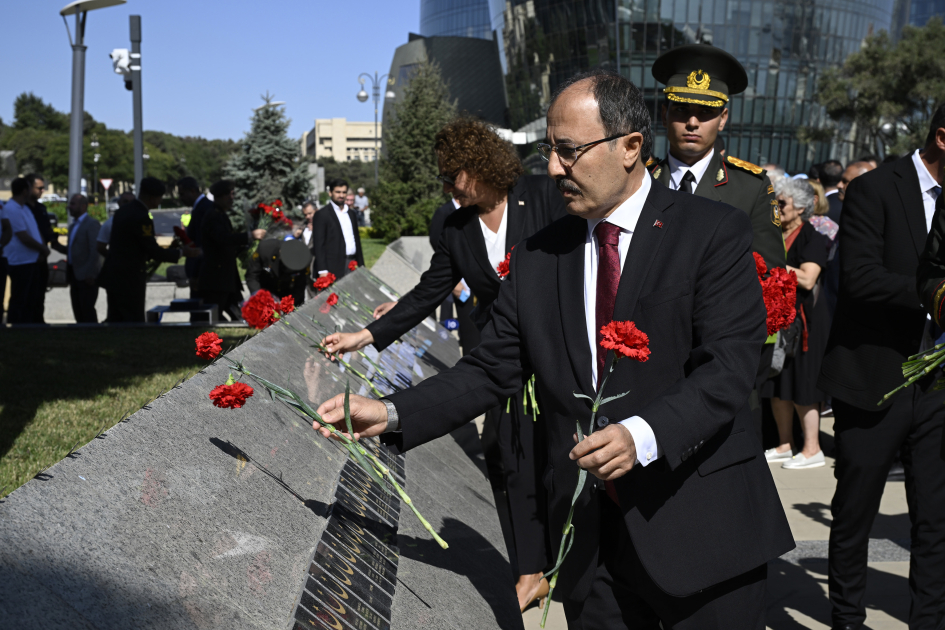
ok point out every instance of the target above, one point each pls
(471, 145)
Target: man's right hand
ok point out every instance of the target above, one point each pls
(190, 251)
(382, 309)
(339, 343)
(368, 417)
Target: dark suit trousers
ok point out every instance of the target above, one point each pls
(38, 291)
(22, 279)
(83, 297)
(126, 303)
(624, 597)
(227, 303)
(866, 444)
(512, 442)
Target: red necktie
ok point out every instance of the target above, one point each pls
(608, 279)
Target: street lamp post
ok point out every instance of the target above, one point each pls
(96, 157)
(376, 92)
(80, 10)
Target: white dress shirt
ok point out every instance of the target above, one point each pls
(678, 169)
(929, 187)
(625, 217)
(72, 232)
(351, 247)
(495, 241)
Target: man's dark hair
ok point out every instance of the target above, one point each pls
(869, 157)
(335, 183)
(309, 202)
(938, 121)
(814, 172)
(188, 183)
(18, 185)
(32, 177)
(152, 187)
(831, 172)
(620, 105)
(222, 188)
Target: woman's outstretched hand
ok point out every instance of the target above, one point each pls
(340, 343)
(368, 416)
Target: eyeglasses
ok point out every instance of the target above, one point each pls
(566, 151)
(782, 203)
(448, 179)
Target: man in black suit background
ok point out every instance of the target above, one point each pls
(880, 322)
(219, 278)
(189, 192)
(335, 238)
(691, 516)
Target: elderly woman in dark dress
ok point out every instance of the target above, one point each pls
(795, 388)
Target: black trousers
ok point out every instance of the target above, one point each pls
(227, 303)
(22, 279)
(38, 292)
(126, 302)
(866, 443)
(83, 296)
(624, 597)
(512, 442)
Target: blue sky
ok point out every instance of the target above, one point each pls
(206, 62)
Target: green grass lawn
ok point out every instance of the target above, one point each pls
(63, 386)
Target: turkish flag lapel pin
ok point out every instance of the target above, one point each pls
(658, 223)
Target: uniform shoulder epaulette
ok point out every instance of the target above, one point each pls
(650, 162)
(754, 169)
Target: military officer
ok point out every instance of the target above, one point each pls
(132, 244)
(699, 80)
(281, 267)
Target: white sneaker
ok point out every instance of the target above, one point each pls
(772, 455)
(799, 461)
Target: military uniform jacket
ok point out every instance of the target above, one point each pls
(131, 245)
(746, 187)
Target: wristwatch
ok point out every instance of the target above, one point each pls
(393, 420)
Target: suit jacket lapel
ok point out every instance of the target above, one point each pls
(643, 247)
(571, 303)
(706, 187)
(478, 244)
(517, 207)
(907, 183)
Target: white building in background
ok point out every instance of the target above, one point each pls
(340, 139)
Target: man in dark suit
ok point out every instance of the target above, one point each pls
(219, 278)
(130, 246)
(189, 192)
(83, 260)
(880, 322)
(499, 208)
(831, 172)
(683, 515)
(335, 238)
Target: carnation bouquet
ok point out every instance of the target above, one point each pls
(266, 216)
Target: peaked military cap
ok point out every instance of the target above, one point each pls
(700, 74)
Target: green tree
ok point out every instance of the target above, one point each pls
(884, 95)
(268, 164)
(409, 192)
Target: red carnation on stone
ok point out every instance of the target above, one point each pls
(352, 265)
(231, 395)
(626, 340)
(332, 299)
(209, 346)
(324, 281)
(259, 311)
(286, 305)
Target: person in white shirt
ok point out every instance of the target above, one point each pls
(84, 261)
(335, 240)
(24, 252)
(362, 204)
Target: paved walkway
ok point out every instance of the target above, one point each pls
(797, 583)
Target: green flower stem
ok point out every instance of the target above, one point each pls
(367, 460)
(915, 369)
(321, 348)
(377, 368)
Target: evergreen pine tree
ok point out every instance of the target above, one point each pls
(268, 165)
(409, 192)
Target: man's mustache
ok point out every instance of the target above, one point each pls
(568, 185)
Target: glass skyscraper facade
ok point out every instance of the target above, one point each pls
(457, 18)
(783, 44)
(920, 11)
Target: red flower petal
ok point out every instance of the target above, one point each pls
(324, 281)
(209, 345)
(352, 265)
(231, 396)
(626, 340)
(259, 310)
(332, 299)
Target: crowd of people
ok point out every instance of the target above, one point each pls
(121, 254)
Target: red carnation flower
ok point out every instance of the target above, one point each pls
(352, 265)
(324, 281)
(277, 203)
(209, 346)
(277, 215)
(626, 340)
(181, 235)
(259, 311)
(332, 299)
(760, 265)
(780, 295)
(286, 305)
(503, 268)
(266, 209)
(231, 396)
